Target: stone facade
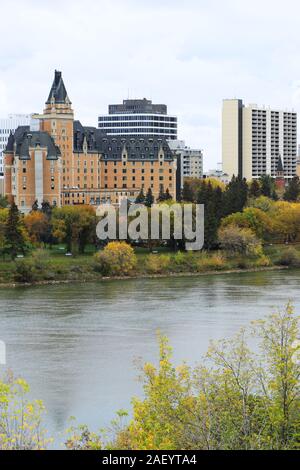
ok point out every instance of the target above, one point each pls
(90, 167)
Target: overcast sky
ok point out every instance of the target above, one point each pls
(189, 54)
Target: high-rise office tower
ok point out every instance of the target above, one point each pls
(253, 139)
(138, 118)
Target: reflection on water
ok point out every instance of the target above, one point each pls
(76, 344)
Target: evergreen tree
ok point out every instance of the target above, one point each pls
(161, 196)
(254, 190)
(47, 211)
(292, 192)
(212, 199)
(236, 196)
(35, 206)
(187, 192)
(14, 237)
(140, 199)
(168, 195)
(149, 198)
(267, 186)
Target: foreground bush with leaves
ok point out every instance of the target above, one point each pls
(20, 419)
(234, 400)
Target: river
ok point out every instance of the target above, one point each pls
(77, 345)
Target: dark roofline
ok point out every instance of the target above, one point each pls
(58, 90)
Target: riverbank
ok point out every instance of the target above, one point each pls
(144, 276)
(45, 267)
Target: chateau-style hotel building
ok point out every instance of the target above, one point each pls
(60, 161)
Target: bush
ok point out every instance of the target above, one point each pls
(37, 267)
(157, 264)
(289, 257)
(41, 260)
(234, 239)
(25, 271)
(211, 263)
(263, 262)
(117, 259)
(185, 261)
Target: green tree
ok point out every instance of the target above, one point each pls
(149, 200)
(292, 191)
(212, 199)
(35, 206)
(168, 196)
(267, 185)
(15, 235)
(254, 190)
(235, 196)
(260, 222)
(161, 196)
(74, 225)
(3, 202)
(187, 192)
(3, 221)
(140, 199)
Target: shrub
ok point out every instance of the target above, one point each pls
(25, 271)
(263, 261)
(289, 257)
(211, 263)
(41, 260)
(157, 264)
(234, 239)
(35, 268)
(117, 258)
(185, 261)
(242, 264)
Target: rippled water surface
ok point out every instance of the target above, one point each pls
(76, 344)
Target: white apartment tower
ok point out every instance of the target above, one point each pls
(191, 160)
(253, 139)
(8, 125)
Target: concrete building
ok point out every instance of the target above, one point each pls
(138, 118)
(191, 160)
(219, 175)
(8, 125)
(253, 139)
(67, 163)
